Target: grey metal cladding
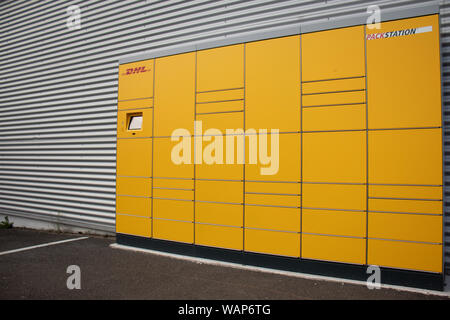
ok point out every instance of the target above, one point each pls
(300, 28)
(445, 56)
(58, 88)
(387, 15)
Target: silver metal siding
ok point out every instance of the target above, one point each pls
(58, 88)
(445, 56)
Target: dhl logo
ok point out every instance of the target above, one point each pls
(136, 70)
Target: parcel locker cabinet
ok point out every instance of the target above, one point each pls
(334, 148)
(134, 148)
(405, 145)
(359, 174)
(173, 176)
(272, 191)
(219, 186)
(272, 104)
(405, 198)
(272, 95)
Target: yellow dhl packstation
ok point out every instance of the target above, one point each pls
(358, 109)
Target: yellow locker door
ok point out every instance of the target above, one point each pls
(334, 222)
(222, 122)
(404, 82)
(212, 159)
(222, 214)
(283, 163)
(338, 196)
(338, 249)
(406, 227)
(133, 225)
(134, 157)
(347, 117)
(173, 230)
(272, 84)
(334, 157)
(136, 80)
(174, 94)
(272, 218)
(226, 237)
(220, 68)
(174, 158)
(219, 191)
(272, 242)
(408, 157)
(405, 255)
(346, 59)
(135, 104)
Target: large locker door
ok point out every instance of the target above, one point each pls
(174, 94)
(272, 86)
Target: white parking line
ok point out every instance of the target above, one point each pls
(41, 245)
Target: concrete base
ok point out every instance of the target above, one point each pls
(21, 222)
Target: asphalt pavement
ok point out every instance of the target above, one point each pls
(108, 273)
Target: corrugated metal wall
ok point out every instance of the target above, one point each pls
(58, 88)
(445, 44)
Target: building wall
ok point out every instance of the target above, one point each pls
(58, 89)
